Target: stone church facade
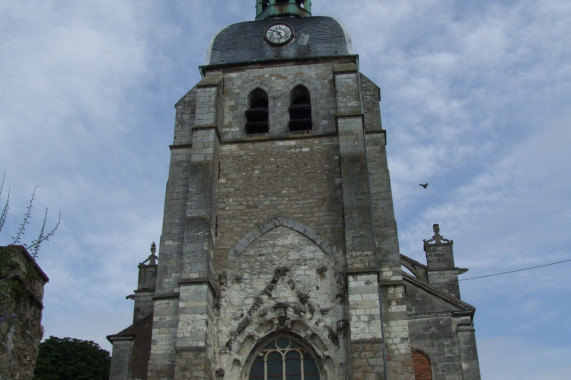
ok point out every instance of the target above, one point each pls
(279, 254)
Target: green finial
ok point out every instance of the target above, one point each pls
(282, 8)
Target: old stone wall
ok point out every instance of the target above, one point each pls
(367, 360)
(371, 96)
(164, 332)
(283, 280)
(122, 349)
(387, 246)
(298, 179)
(370, 229)
(276, 231)
(442, 272)
(440, 326)
(279, 209)
(185, 291)
(21, 292)
(436, 336)
(278, 81)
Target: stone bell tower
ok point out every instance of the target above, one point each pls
(279, 254)
(278, 216)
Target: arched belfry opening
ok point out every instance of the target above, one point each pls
(283, 357)
(257, 113)
(282, 8)
(300, 109)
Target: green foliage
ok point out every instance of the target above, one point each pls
(68, 358)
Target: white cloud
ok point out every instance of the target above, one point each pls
(522, 359)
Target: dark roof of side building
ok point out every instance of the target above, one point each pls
(316, 36)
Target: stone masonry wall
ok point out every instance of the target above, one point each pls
(274, 221)
(283, 281)
(278, 81)
(443, 330)
(163, 345)
(280, 207)
(370, 225)
(442, 273)
(298, 179)
(184, 300)
(394, 307)
(21, 292)
(437, 337)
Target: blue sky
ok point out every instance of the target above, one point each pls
(475, 99)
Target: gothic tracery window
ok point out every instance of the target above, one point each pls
(284, 358)
(257, 114)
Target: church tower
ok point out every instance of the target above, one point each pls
(279, 255)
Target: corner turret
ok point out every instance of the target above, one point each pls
(442, 273)
(145, 287)
(132, 346)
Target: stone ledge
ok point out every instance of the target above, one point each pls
(181, 146)
(199, 281)
(166, 296)
(345, 68)
(190, 349)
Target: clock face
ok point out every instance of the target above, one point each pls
(278, 34)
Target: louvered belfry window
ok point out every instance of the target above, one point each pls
(284, 359)
(300, 110)
(257, 114)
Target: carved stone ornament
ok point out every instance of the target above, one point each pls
(437, 238)
(220, 372)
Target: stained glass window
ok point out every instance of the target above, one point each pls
(285, 359)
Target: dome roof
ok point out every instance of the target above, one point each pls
(313, 37)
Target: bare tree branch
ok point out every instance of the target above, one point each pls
(6, 204)
(26, 219)
(35, 246)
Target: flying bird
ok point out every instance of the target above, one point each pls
(425, 185)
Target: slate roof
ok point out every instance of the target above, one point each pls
(456, 305)
(315, 36)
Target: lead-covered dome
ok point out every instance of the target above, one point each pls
(244, 42)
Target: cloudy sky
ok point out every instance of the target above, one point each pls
(476, 100)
